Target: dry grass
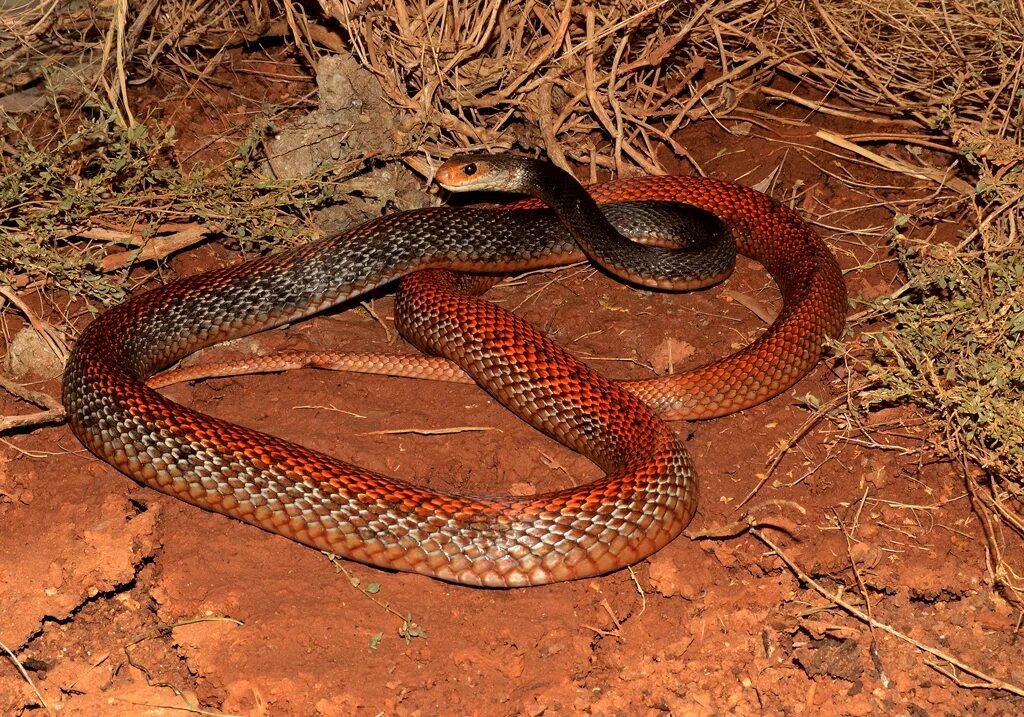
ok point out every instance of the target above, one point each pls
(49, 49)
(938, 63)
(564, 79)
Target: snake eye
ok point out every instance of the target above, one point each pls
(469, 169)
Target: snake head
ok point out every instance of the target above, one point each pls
(480, 172)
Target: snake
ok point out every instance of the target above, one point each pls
(648, 494)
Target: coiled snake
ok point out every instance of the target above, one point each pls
(649, 493)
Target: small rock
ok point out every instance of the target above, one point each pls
(29, 355)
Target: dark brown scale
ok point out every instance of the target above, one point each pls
(649, 494)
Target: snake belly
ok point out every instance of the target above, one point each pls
(649, 493)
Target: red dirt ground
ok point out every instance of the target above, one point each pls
(121, 601)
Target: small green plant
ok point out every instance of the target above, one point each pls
(97, 187)
(952, 345)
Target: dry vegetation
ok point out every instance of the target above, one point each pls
(604, 86)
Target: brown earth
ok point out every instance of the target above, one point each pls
(119, 600)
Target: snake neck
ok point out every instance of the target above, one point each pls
(573, 205)
(700, 252)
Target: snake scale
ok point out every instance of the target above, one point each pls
(649, 492)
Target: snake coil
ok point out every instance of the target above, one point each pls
(649, 493)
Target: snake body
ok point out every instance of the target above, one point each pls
(649, 493)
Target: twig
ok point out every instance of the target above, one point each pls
(21, 669)
(54, 412)
(430, 431)
(43, 400)
(945, 179)
(157, 247)
(53, 338)
(989, 681)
